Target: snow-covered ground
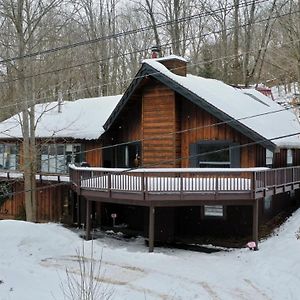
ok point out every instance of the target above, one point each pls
(33, 259)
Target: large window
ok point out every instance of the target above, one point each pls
(9, 156)
(55, 158)
(124, 156)
(214, 154)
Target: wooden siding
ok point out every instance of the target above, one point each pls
(158, 120)
(93, 153)
(200, 126)
(50, 202)
(128, 125)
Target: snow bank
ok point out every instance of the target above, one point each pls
(33, 258)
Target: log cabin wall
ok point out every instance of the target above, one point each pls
(158, 121)
(194, 117)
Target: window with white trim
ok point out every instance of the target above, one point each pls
(9, 156)
(213, 211)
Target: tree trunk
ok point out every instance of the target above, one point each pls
(236, 63)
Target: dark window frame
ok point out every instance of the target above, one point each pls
(234, 151)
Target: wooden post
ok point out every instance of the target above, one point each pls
(151, 228)
(143, 184)
(88, 220)
(78, 211)
(255, 223)
(99, 216)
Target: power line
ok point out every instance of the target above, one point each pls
(161, 136)
(162, 162)
(129, 32)
(148, 48)
(42, 99)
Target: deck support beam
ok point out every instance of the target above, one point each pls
(88, 220)
(255, 223)
(78, 200)
(151, 228)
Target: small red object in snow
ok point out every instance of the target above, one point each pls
(251, 245)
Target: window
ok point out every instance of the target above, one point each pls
(210, 156)
(55, 158)
(214, 154)
(214, 211)
(289, 157)
(9, 156)
(269, 158)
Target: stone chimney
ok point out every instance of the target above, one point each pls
(174, 63)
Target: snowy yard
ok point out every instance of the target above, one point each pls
(33, 259)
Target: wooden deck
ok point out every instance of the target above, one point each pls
(181, 187)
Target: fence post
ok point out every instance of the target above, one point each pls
(217, 185)
(253, 184)
(255, 222)
(181, 185)
(109, 185)
(143, 184)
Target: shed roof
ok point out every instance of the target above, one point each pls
(80, 119)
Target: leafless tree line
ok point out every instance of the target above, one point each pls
(237, 41)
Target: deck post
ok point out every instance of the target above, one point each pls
(88, 220)
(151, 227)
(255, 223)
(78, 210)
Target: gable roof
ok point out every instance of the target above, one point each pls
(248, 111)
(80, 119)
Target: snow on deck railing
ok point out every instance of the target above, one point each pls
(168, 170)
(182, 179)
(163, 179)
(15, 174)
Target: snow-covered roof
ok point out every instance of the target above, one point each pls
(241, 105)
(170, 57)
(80, 119)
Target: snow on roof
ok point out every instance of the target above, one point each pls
(239, 103)
(80, 119)
(169, 57)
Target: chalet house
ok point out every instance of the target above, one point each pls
(192, 157)
(177, 158)
(66, 133)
